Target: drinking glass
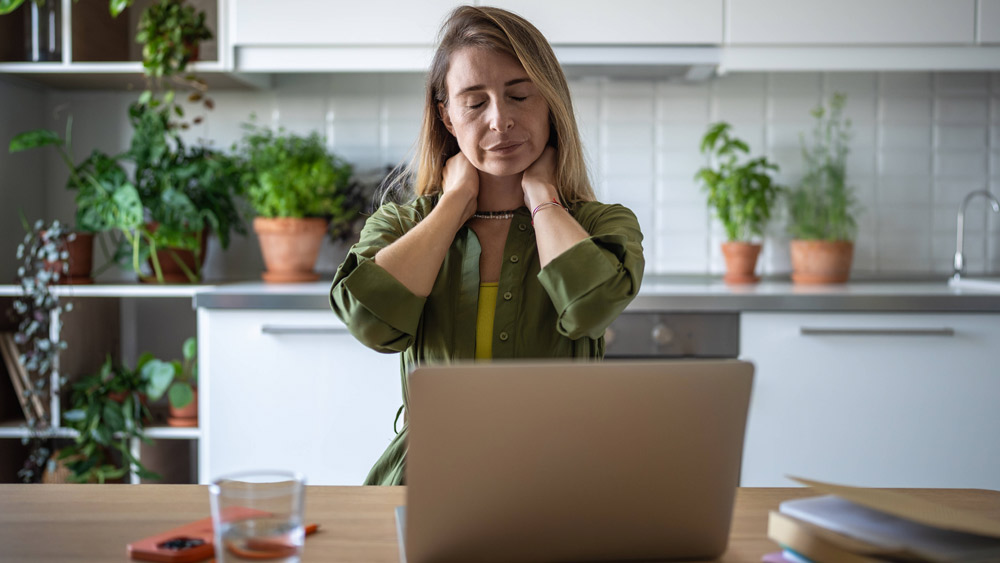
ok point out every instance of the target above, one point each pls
(257, 516)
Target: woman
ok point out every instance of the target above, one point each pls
(504, 253)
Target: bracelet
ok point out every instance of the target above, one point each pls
(543, 204)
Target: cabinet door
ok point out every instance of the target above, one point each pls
(591, 22)
(873, 399)
(292, 390)
(338, 22)
(989, 21)
(851, 22)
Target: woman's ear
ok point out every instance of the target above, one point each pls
(445, 118)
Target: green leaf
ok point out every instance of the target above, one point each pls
(113, 418)
(75, 415)
(118, 6)
(190, 348)
(8, 6)
(34, 139)
(158, 375)
(181, 395)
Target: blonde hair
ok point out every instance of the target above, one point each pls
(508, 33)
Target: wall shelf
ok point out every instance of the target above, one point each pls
(17, 429)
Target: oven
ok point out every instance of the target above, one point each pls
(663, 335)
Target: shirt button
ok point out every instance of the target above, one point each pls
(522, 227)
(513, 259)
(508, 296)
(504, 337)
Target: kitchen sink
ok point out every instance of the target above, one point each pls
(979, 284)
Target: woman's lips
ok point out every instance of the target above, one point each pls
(505, 148)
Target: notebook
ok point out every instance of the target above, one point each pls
(559, 461)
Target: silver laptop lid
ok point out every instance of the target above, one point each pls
(574, 461)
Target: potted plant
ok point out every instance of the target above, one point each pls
(823, 207)
(742, 196)
(297, 189)
(96, 176)
(108, 411)
(185, 192)
(178, 380)
(170, 32)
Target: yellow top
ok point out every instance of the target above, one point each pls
(484, 320)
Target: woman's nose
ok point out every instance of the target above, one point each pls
(500, 118)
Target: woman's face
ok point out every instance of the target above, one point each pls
(494, 111)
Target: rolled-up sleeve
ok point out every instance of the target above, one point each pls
(378, 310)
(593, 281)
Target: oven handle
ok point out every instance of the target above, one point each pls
(290, 329)
(825, 331)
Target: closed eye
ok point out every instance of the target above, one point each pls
(475, 106)
(519, 99)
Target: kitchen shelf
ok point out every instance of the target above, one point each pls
(99, 51)
(17, 429)
(124, 75)
(116, 290)
(107, 320)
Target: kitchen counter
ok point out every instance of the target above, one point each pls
(680, 293)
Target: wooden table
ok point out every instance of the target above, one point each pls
(93, 523)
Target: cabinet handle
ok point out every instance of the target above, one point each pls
(280, 329)
(814, 331)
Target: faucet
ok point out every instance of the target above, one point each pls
(959, 264)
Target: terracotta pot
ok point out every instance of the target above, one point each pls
(741, 261)
(290, 247)
(821, 261)
(172, 271)
(81, 259)
(185, 416)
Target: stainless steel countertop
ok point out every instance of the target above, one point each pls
(680, 293)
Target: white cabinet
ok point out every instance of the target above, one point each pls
(337, 22)
(625, 22)
(851, 22)
(988, 21)
(292, 390)
(901, 400)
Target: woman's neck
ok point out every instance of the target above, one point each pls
(500, 193)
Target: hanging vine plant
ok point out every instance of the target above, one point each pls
(171, 32)
(42, 261)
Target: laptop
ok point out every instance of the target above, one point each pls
(584, 461)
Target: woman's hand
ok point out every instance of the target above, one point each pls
(539, 180)
(461, 180)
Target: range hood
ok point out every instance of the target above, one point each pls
(640, 62)
(680, 63)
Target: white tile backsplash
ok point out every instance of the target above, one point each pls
(898, 137)
(683, 108)
(905, 163)
(857, 85)
(921, 141)
(977, 83)
(964, 163)
(906, 110)
(628, 108)
(894, 190)
(620, 135)
(966, 110)
(906, 83)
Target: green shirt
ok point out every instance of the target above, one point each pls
(560, 311)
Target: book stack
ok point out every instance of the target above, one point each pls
(863, 525)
